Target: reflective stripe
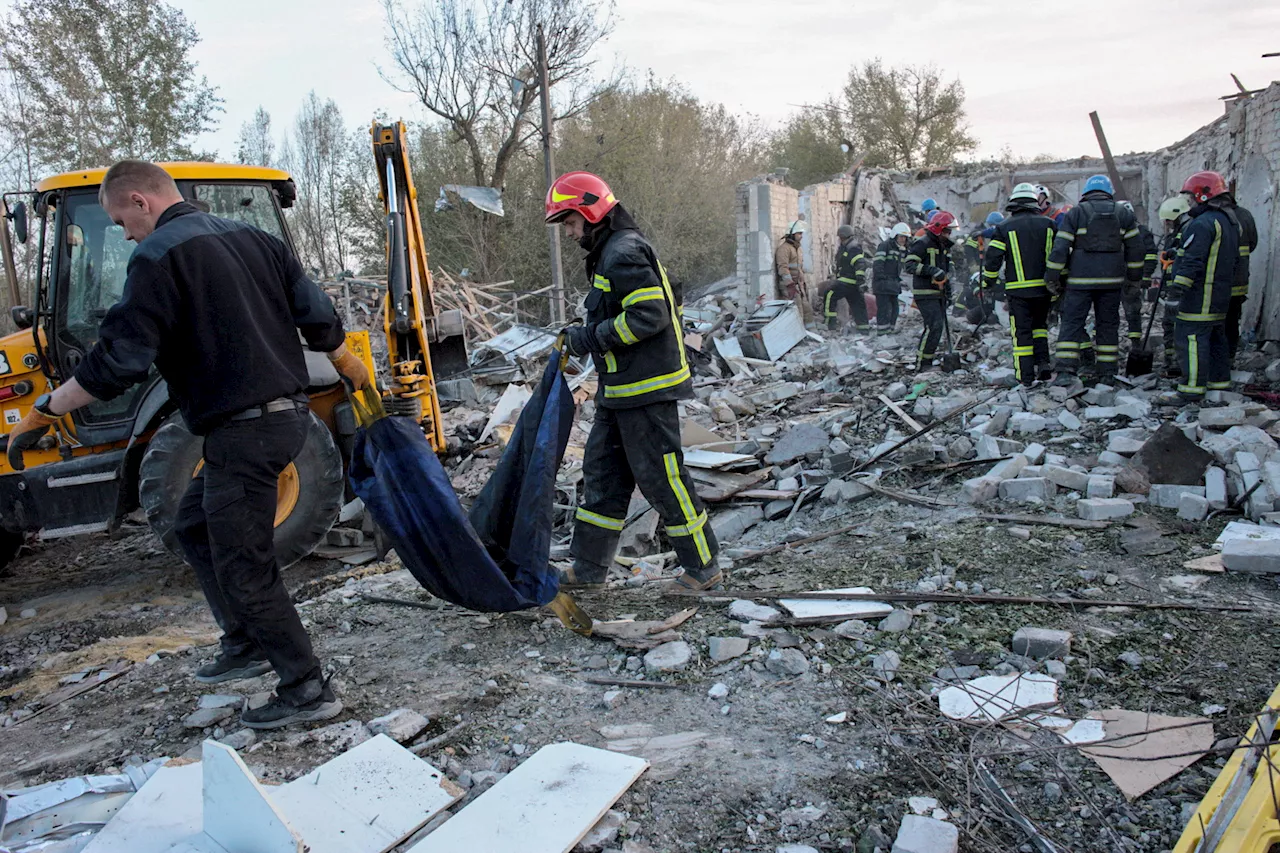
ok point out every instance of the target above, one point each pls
(1018, 285)
(676, 325)
(656, 383)
(844, 280)
(1219, 386)
(598, 520)
(1017, 255)
(991, 274)
(602, 283)
(1182, 281)
(624, 331)
(1193, 368)
(1067, 235)
(1040, 333)
(826, 304)
(1135, 265)
(1211, 270)
(689, 529)
(1054, 265)
(1068, 345)
(644, 294)
(610, 362)
(1201, 318)
(1089, 281)
(1131, 233)
(999, 244)
(691, 518)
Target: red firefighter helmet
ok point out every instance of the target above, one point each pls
(582, 192)
(940, 221)
(1203, 186)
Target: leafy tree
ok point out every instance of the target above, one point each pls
(255, 145)
(106, 79)
(809, 145)
(906, 117)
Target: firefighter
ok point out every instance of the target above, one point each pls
(632, 333)
(1174, 213)
(1203, 277)
(974, 247)
(1021, 244)
(1240, 287)
(1097, 249)
(1133, 291)
(850, 283)
(929, 262)
(927, 207)
(788, 271)
(886, 276)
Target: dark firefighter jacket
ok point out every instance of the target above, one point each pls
(635, 313)
(886, 267)
(1204, 271)
(851, 264)
(1248, 245)
(1021, 244)
(1150, 257)
(928, 258)
(1097, 245)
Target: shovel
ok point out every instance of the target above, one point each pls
(950, 358)
(1142, 361)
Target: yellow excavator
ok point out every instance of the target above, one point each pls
(108, 459)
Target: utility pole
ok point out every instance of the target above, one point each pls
(549, 171)
(1106, 155)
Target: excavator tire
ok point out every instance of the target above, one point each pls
(310, 493)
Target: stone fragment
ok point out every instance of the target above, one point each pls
(1132, 480)
(960, 449)
(1123, 444)
(1100, 486)
(1222, 417)
(1076, 481)
(1009, 468)
(896, 622)
(1028, 490)
(27, 613)
(722, 649)
(1130, 658)
(719, 690)
(919, 834)
(1101, 509)
(4, 616)
(1215, 487)
(729, 525)
(801, 441)
(957, 673)
(1170, 457)
(844, 491)
(1193, 507)
(340, 737)
(221, 700)
(980, 489)
(886, 665)
(1252, 555)
(1026, 422)
(1055, 668)
(401, 725)
(603, 834)
(1035, 453)
(1167, 495)
(851, 629)
(613, 699)
(1041, 643)
(1069, 421)
(240, 740)
(668, 657)
(748, 611)
(787, 662)
(206, 717)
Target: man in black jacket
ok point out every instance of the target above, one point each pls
(1021, 244)
(929, 262)
(216, 306)
(1240, 288)
(1135, 292)
(886, 276)
(850, 283)
(633, 334)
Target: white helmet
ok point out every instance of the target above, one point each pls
(1126, 204)
(1173, 208)
(902, 229)
(1027, 191)
(797, 227)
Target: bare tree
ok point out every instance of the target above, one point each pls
(318, 155)
(255, 145)
(906, 117)
(473, 64)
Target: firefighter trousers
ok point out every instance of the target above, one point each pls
(1202, 355)
(852, 295)
(1132, 298)
(639, 447)
(933, 313)
(1168, 313)
(1235, 312)
(1029, 328)
(1073, 336)
(886, 311)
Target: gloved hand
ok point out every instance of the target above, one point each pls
(1053, 282)
(582, 340)
(33, 427)
(352, 369)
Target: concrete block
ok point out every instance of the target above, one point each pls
(1029, 490)
(980, 489)
(731, 524)
(1030, 471)
(1041, 643)
(918, 834)
(844, 491)
(1222, 418)
(1193, 507)
(1252, 555)
(401, 725)
(1026, 422)
(1069, 421)
(1100, 395)
(1034, 453)
(1247, 461)
(1215, 487)
(1100, 487)
(1102, 509)
(1009, 468)
(1125, 445)
(1076, 481)
(1099, 413)
(1167, 495)
(1107, 457)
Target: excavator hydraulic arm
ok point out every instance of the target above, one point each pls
(421, 340)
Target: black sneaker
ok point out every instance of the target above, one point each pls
(278, 713)
(224, 668)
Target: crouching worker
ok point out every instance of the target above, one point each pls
(632, 333)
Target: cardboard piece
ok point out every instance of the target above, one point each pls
(1135, 737)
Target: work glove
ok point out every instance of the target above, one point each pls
(582, 340)
(1053, 282)
(351, 368)
(23, 437)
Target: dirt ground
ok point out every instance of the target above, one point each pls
(752, 771)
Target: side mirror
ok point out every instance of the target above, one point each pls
(22, 316)
(19, 217)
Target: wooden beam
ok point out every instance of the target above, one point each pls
(1106, 156)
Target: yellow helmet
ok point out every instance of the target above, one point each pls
(1171, 209)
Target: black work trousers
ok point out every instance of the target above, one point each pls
(852, 295)
(1131, 297)
(1073, 336)
(887, 306)
(1029, 328)
(639, 447)
(226, 528)
(933, 313)
(1235, 312)
(1202, 355)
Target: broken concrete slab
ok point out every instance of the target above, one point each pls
(799, 442)
(1041, 643)
(206, 717)
(1167, 495)
(919, 834)
(1026, 490)
(1076, 481)
(1260, 556)
(1215, 487)
(1193, 507)
(748, 611)
(994, 697)
(1222, 418)
(1101, 509)
(721, 649)
(401, 725)
(668, 657)
(729, 525)
(844, 491)
(1171, 457)
(810, 608)
(787, 662)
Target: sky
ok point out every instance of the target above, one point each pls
(1032, 70)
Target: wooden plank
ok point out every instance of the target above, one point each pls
(814, 608)
(722, 485)
(712, 459)
(164, 814)
(237, 812)
(366, 800)
(546, 805)
(915, 425)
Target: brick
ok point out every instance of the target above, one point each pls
(1193, 507)
(1041, 643)
(980, 489)
(1222, 418)
(1100, 487)
(1068, 420)
(1252, 555)
(1076, 481)
(918, 834)
(1102, 509)
(1009, 468)
(1167, 495)
(1026, 490)
(1215, 487)
(1026, 422)
(1034, 453)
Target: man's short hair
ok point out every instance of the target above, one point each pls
(135, 176)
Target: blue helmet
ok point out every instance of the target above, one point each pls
(928, 205)
(994, 218)
(1099, 182)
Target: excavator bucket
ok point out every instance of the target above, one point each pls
(497, 558)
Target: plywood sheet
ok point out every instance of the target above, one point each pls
(163, 814)
(1136, 743)
(237, 813)
(807, 608)
(546, 805)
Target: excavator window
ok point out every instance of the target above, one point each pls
(249, 203)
